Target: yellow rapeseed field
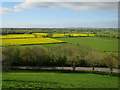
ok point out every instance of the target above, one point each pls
(35, 38)
(58, 35)
(61, 35)
(91, 34)
(27, 41)
(17, 36)
(39, 35)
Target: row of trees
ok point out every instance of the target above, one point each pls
(106, 36)
(6, 31)
(59, 56)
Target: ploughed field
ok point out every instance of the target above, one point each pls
(57, 80)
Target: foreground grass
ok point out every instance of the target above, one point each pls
(57, 80)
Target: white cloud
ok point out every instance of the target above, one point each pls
(91, 6)
(80, 6)
(37, 5)
(4, 10)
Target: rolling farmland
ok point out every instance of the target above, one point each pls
(59, 45)
(100, 44)
(56, 49)
(33, 39)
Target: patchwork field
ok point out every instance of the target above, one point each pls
(32, 39)
(46, 79)
(62, 35)
(98, 43)
(57, 80)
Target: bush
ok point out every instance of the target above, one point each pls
(59, 56)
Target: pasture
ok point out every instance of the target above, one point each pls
(97, 43)
(101, 44)
(57, 80)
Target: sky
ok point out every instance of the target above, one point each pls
(59, 14)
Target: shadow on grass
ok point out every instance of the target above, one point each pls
(62, 71)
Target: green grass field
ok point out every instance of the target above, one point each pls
(98, 43)
(101, 44)
(57, 80)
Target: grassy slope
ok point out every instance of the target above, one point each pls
(101, 44)
(57, 80)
